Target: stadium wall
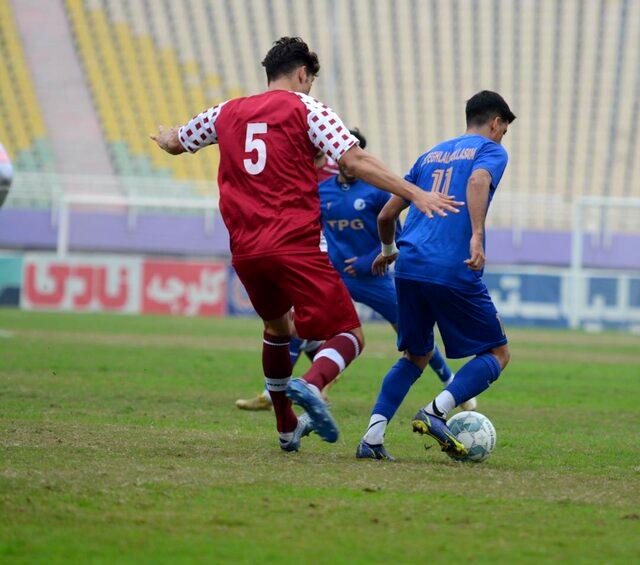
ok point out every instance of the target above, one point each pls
(188, 235)
(525, 296)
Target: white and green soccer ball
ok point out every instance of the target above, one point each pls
(476, 432)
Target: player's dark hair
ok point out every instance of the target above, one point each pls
(485, 106)
(362, 140)
(286, 55)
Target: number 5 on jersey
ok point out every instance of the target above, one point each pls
(258, 145)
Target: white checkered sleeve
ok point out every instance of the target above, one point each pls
(200, 131)
(326, 130)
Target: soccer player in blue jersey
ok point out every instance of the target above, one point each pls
(439, 266)
(349, 209)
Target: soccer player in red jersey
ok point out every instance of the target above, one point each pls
(269, 202)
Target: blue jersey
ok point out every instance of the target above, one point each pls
(434, 250)
(350, 219)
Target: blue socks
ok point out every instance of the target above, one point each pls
(294, 350)
(439, 366)
(395, 387)
(474, 378)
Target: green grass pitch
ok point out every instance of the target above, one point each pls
(121, 442)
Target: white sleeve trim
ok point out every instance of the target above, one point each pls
(327, 132)
(200, 131)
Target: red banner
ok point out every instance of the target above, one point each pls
(188, 289)
(81, 283)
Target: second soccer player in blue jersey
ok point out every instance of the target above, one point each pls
(349, 209)
(438, 273)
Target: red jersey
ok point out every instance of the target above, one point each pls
(267, 178)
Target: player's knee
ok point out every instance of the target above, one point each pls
(359, 335)
(420, 361)
(502, 354)
(281, 326)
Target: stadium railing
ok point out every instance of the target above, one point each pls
(203, 205)
(598, 204)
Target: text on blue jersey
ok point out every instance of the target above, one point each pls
(435, 249)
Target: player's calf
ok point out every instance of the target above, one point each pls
(276, 364)
(474, 378)
(395, 386)
(334, 357)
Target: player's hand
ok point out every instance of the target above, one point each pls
(430, 203)
(381, 264)
(349, 269)
(167, 139)
(476, 250)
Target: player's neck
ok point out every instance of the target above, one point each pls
(483, 131)
(283, 83)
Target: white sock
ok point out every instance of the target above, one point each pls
(376, 429)
(441, 405)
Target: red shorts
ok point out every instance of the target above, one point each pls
(308, 282)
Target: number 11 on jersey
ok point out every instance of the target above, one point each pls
(438, 175)
(258, 145)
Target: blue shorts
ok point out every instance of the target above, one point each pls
(378, 293)
(467, 319)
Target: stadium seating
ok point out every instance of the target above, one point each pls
(400, 70)
(122, 45)
(22, 128)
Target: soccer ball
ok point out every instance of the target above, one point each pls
(476, 432)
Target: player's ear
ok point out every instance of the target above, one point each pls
(301, 74)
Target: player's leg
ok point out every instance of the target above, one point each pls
(273, 306)
(307, 346)
(446, 375)
(472, 379)
(439, 366)
(296, 346)
(470, 325)
(262, 401)
(380, 295)
(276, 363)
(415, 338)
(323, 310)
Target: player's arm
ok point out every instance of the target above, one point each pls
(477, 203)
(363, 265)
(366, 167)
(168, 140)
(387, 221)
(197, 133)
(328, 133)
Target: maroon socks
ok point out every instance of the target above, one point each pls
(276, 364)
(332, 358)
